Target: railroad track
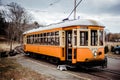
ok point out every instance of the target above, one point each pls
(103, 73)
(51, 67)
(111, 71)
(70, 71)
(101, 76)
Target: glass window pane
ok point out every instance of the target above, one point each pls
(94, 38)
(83, 38)
(101, 38)
(57, 33)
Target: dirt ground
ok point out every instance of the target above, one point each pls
(10, 70)
(112, 55)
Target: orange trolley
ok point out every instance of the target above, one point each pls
(78, 42)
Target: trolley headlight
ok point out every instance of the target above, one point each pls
(95, 54)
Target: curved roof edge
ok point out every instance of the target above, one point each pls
(67, 23)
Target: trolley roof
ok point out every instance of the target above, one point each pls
(67, 24)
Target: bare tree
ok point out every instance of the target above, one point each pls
(2, 24)
(113, 37)
(17, 18)
(37, 25)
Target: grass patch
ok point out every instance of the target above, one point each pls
(10, 70)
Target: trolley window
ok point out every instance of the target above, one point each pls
(57, 41)
(94, 38)
(75, 37)
(28, 39)
(50, 38)
(101, 38)
(83, 38)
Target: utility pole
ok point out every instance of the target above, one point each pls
(74, 9)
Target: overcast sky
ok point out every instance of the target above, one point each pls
(51, 11)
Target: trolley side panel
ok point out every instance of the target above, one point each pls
(54, 51)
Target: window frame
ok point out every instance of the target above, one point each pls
(103, 37)
(83, 30)
(44, 39)
(95, 37)
(78, 37)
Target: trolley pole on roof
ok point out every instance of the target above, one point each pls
(74, 9)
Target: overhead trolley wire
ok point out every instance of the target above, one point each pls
(54, 2)
(74, 9)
